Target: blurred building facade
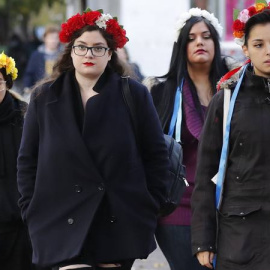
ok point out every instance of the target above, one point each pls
(150, 26)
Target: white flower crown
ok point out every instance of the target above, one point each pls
(197, 12)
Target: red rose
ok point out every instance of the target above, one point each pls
(238, 25)
(75, 22)
(64, 35)
(91, 16)
(119, 34)
(252, 11)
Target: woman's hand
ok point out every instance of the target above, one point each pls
(206, 258)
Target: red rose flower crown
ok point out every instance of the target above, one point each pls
(90, 17)
(241, 17)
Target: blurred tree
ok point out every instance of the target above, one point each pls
(14, 12)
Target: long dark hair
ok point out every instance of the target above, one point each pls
(260, 18)
(178, 69)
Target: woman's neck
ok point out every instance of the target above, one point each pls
(200, 78)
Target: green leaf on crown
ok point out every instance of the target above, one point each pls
(87, 10)
(100, 10)
(115, 18)
(235, 13)
(261, 2)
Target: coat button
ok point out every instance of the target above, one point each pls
(112, 219)
(70, 221)
(78, 189)
(198, 248)
(101, 187)
(241, 144)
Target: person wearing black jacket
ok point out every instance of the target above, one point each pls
(15, 246)
(238, 232)
(89, 193)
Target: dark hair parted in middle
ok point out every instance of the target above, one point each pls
(178, 69)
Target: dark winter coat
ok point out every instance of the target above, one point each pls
(243, 236)
(65, 174)
(15, 247)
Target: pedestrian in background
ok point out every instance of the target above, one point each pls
(132, 68)
(239, 231)
(42, 60)
(181, 98)
(90, 189)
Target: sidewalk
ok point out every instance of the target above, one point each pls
(155, 261)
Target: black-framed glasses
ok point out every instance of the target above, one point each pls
(97, 51)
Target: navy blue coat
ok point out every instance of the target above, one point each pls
(61, 187)
(35, 69)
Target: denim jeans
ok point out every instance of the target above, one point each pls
(175, 243)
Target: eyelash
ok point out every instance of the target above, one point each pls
(205, 37)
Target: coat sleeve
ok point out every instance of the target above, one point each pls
(203, 222)
(153, 148)
(27, 158)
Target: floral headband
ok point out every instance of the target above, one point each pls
(241, 17)
(197, 12)
(90, 17)
(9, 64)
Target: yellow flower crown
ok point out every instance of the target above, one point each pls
(9, 64)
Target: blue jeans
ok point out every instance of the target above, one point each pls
(175, 243)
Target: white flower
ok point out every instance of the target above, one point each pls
(197, 12)
(240, 41)
(244, 15)
(101, 22)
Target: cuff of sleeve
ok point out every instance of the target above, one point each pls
(197, 249)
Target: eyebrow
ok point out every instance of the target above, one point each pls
(95, 44)
(255, 40)
(204, 32)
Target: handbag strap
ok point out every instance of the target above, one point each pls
(131, 107)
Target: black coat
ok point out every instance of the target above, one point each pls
(15, 246)
(243, 236)
(64, 175)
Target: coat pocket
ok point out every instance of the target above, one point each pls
(239, 236)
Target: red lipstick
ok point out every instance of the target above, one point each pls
(88, 64)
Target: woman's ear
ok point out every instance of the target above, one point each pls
(245, 51)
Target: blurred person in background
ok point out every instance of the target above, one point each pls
(43, 59)
(132, 68)
(17, 49)
(181, 98)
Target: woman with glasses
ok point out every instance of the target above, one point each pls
(15, 247)
(91, 190)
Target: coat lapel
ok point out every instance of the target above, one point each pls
(60, 108)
